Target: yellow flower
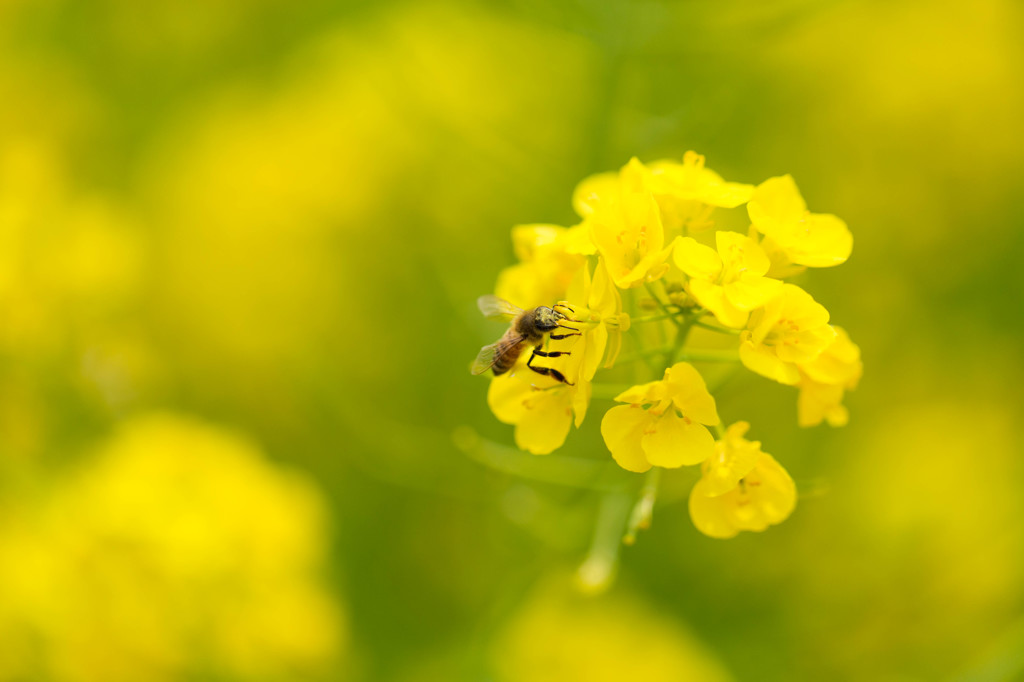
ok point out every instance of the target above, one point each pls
(778, 212)
(781, 266)
(687, 192)
(625, 224)
(670, 432)
(549, 257)
(824, 381)
(175, 551)
(540, 407)
(559, 634)
(733, 458)
(731, 282)
(790, 329)
(764, 496)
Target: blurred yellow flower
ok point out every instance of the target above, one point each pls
(560, 635)
(50, 295)
(625, 224)
(791, 328)
(688, 192)
(549, 257)
(764, 496)
(730, 282)
(671, 432)
(175, 552)
(778, 212)
(825, 380)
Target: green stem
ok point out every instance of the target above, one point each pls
(681, 335)
(716, 328)
(643, 510)
(661, 305)
(597, 571)
(654, 318)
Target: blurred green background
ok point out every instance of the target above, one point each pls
(240, 248)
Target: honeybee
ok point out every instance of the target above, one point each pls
(528, 328)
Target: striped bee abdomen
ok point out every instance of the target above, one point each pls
(506, 354)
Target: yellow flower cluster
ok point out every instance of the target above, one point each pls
(647, 258)
(176, 551)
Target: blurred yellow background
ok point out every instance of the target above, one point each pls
(240, 248)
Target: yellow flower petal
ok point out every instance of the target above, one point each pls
(581, 401)
(506, 396)
(697, 260)
(595, 342)
(805, 346)
(729, 283)
(838, 364)
(771, 494)
(544, 426)
(592, 191)
(604, 297)
(709, 515)
(651, 392)
(527, 240)
(712, 297)
(623, 428)
(762, 360)
(577, 240)
(821, 402)
(791, 328)
(750, 292)
(825, 241)
(729, 194)
(782, 267)
(671, 441)
(547, 266)
(614, 344)
(777, 211)
(691, 181)
(733, 458)
(579, 286)
(690, 393)
(741, 255)
(776, 204)
(798, 306)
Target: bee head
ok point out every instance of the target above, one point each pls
(546, 318)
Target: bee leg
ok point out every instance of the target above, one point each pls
(553, 373)
(548, 371)
(563, 304)
(576, 332)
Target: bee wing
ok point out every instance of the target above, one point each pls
(495, 308)
(488, 355)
